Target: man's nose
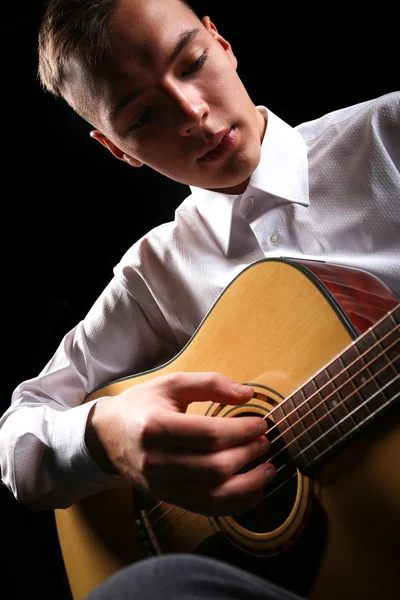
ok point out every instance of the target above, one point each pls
(193, 117)
(191, 109)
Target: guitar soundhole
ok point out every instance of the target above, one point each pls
(280, 495)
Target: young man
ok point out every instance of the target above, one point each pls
(160, 87)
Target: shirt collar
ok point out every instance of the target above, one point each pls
(283, 152)
(282, 170)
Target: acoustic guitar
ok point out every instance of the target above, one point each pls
(319, 344)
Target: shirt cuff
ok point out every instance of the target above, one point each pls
(81, 475)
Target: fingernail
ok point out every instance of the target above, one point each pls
(239, 388)
(263, 428)
(270, 471)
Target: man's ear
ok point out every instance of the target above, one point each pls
(209, 25)
(100, 137)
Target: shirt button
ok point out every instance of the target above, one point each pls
(249, 202)
(275, 238)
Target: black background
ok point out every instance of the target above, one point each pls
(70, 209)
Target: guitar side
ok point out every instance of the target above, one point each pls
(275, 328)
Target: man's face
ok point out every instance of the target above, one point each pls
(171, 97)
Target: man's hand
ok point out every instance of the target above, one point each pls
(193, 461)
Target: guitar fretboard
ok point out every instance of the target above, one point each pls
(345, 396)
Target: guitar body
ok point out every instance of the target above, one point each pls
(331, 526)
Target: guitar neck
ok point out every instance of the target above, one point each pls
(356, 387)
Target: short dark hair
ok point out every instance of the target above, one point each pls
(70, 28)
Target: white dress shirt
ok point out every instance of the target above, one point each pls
(328, 189)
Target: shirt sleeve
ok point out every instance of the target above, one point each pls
(43, 457)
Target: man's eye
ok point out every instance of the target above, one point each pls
(144, 117)
(196, 66)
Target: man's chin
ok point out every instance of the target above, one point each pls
(235, 189)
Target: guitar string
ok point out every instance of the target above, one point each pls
(199, 516)
(163, 514)
(336, 425)
(348, 416)
(333, 427)
(318, 390)
(338, 441)
(306, 430)
(195, 518)
(292, 460)
(357, 360)
(334, 406)
(205, 526)
(331, 380)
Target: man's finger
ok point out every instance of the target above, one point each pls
(215, 387)
(237, 495)
(198, 432)
(204, 466)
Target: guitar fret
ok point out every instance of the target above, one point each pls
(352, 382)
(347, 393)
(389, 342)
(308, 420)
(342, 389)
(344, 396)
(385, 406)
(298, 427)
(294, 431)
(312, 399)
(380, 352)
(384, 371)
(325, 411)
(360, 383)
(393, 352)
(357, 374)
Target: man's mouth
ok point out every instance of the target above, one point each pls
(219, 146)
